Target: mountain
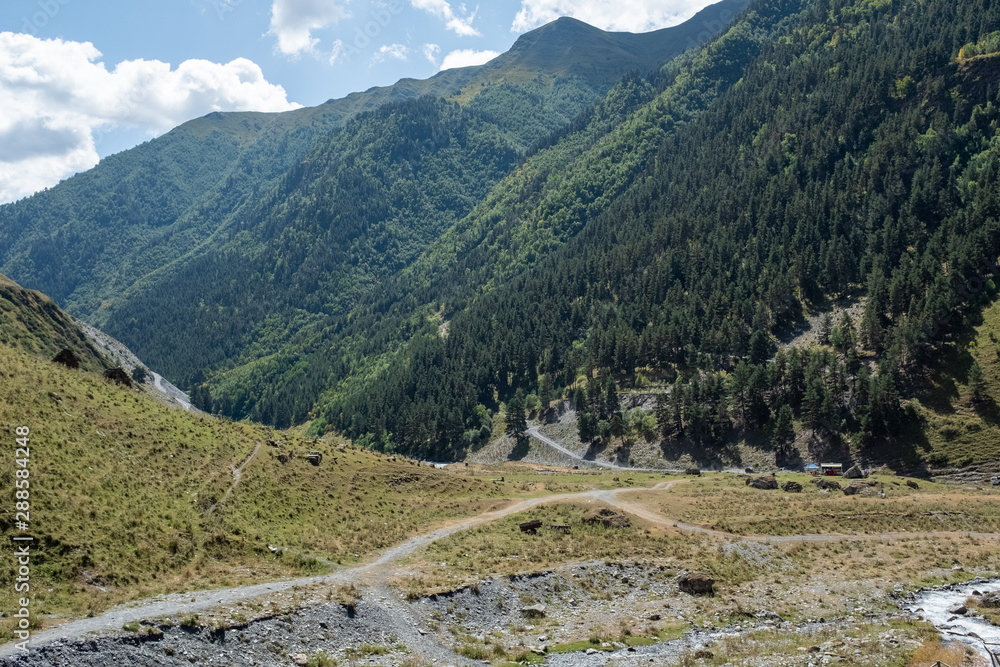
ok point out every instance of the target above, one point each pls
(686, 227)
(434, 260)
(248, 227)
(94, 237)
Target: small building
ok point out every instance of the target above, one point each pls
(832, 469)
(813, 469)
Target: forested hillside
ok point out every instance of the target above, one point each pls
(248, 227)
(855, 154)
(541, 227)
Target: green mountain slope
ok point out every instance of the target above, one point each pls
(159, 234)
(855, 155)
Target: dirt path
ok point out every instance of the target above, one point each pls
(237, 476)
(537, 435)
(373, 575)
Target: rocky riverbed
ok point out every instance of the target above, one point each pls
(600, 613)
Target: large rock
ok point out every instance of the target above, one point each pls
(696, 583)
(118, 376)
(826, 484)
(791, 487)
(534, 611)
(693, 471)
(990, 600)
(857, 488)
(67, 358)
(855, 472)
(768, 482)
(913, 485)
(608, 518)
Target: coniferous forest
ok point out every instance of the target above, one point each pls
(426, 264)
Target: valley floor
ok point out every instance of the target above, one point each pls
(594, 588)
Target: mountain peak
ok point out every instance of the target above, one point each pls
(569, 46)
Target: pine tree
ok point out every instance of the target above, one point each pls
(516, 423)
(977, 384)
(784, 428)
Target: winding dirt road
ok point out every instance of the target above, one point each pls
(537, 435)
(375, 573)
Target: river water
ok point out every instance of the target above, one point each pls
(933, 606)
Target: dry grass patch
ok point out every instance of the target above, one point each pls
(724, 502)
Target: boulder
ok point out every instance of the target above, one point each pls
(855, 488)
(67, 358)
(703, 654)
(855, 472)
(791, 487)
(826, 484)
(958, 610)
(767, 482)
(608, 518)
(990, 600)
(534, 611)
(118, 376)
(301, 659)
(696, 583)
(693, 471)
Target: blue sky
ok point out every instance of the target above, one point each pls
(81, 79)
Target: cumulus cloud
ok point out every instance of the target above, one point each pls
(431, 52)
(466, 58)
(460, 22)
(393, 51)
(617, 15)
(56, 96)
(294, 21)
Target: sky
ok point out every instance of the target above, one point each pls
(83, 79)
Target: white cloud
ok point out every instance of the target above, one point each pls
(387, 51)
(460, 22)
(617, 15)
(293, 22)
(55, 96)
(431, 51)
(466, 58)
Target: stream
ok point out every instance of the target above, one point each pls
(933, 606)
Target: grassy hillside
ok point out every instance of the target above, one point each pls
(126, 494)
(30, 321)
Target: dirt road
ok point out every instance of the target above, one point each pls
(377, 572)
